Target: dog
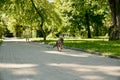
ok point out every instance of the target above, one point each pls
(59, 44)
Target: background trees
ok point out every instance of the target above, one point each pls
(83, 18)
(39, 15)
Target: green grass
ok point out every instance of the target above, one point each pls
(105, 47)
(92, 45)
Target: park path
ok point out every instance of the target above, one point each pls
(35, 61)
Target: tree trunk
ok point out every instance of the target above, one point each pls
(43, 32)
(114, 30)
(118, 18)
(42, 20)
(87, 24)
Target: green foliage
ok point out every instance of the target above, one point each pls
(73, 16)
(61, 16)
(22, 12)
(2, 28)
(19, 30)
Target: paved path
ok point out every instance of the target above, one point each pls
(35, 61)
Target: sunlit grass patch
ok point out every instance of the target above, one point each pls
(105, 47)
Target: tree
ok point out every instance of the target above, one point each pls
(47, 17)
(36, 14)
(114, 30)
(79, 16)
(70, 14)
(42, 19)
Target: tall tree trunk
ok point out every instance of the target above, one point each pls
(43, 32)
(42, 20)
(118, 18)
(87, 24)
(114, 30)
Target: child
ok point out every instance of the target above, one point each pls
(27, 34)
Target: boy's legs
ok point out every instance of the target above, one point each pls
(27, 38)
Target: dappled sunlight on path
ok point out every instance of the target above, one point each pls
(67, 53)
(19, 69)
(88, 69)
(11, 65)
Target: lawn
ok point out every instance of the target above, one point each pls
(105, 47)
(92, 45)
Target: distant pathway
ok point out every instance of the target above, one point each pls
(35, 61)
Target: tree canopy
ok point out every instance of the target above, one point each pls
(83, 18)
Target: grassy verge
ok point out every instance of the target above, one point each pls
(105, 47)
(92, 45)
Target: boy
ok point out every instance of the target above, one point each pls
(27, 34)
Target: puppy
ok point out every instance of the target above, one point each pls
(59, 44)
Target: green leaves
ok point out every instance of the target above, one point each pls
(60, 16)
(73, 13)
